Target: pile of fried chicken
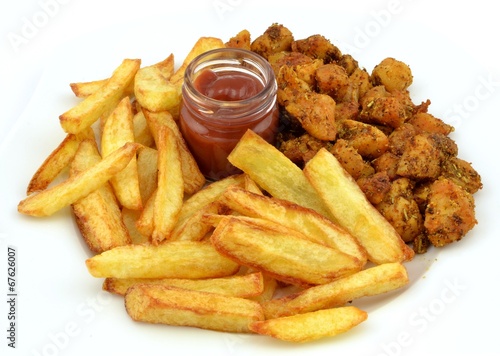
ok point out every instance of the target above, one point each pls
(400, 155)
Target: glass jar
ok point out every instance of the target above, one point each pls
(226, 92)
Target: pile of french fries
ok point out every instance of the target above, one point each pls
(275, 250)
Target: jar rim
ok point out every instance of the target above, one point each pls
(241, 59)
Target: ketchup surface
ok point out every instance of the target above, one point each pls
(212, 128)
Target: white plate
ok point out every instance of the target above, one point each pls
(449, 307)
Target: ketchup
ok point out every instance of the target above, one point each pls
(226, 92)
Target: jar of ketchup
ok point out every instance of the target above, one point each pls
(226, 92)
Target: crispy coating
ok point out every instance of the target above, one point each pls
(333, 80)
(394, 75)
(241, 40)
(368, 140)
(317, 46)
(401, 210)
(379, 106)
(375, 186)
(449, 214)
(276, 38)
(351, 160)
(428, 123)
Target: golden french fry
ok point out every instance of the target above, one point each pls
(170, 192)
(130, 218)
(206, 196)
(313, 225)
(118, 130)
(244, 286)
(311, 326)
(274, 172)
(84, 89)
(154, 92)
(147, 167)
(84, 114)
(202, 45)
(195, 228)
(97, 215)
(175, 306)
(283, 253)
(55, 163)
(193, 178)
(166, 66)
(176, 259)
(49, 201)
(145, 222)
(369, 282)
(352, 210)
(142, 134)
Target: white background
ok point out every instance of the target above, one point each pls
(452, 48)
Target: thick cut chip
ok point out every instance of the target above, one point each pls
(193, 178)
(244, 286)
(49, 201)
(118, 130)
(59, 159)
(311, 326)
(369, 282)
(154, 92)
(130, 218)
(313, 225)
(176, 259)
(352, 210)
(170, 192)
(175, 306)
(84, 114)
(97, 215)
(202, 45)
(274, 172)
(147, 169)
(281, 252)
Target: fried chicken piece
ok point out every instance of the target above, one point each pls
(378, 106)
(315, 112)
(450, 212)
(400, 137)
(301, 149)
(290, 59)
(351, 160)
(333, 80)
(429, 123)
(361, 79)
(401, 210)
(276, 38)
(388, 163)
(349, 63)
(375, 187)
(421, 159)
(241, 40)
(317, 46)
(394, 75)
(462, 173)
(367, 139)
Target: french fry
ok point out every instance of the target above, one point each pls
(176, 259)
(85, 89)
(97, 215)
(245, 286)
(154, 92)
(84, 114)
(283, 253)
(170, 192)
(369, 282)
(49, 201)
(55, 163)
(311, 326)
(147, 169)
(142, 134)
(314, 226)
(274, 172)
(130, 218)
(145, 221)
(202, 45)
(352, 210)
(118, 130)
(176, 306)
(193, 178)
